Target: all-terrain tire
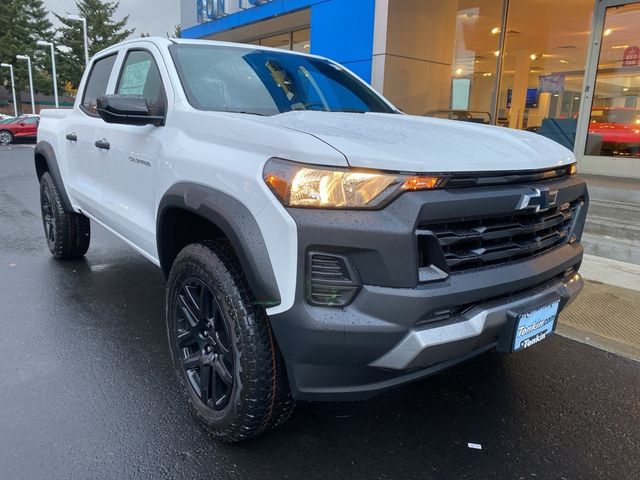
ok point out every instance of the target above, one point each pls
(283, 404)
(68, 234)
(258, 397)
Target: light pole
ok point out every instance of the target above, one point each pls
(13, 87)
(42, 43)
(28, 59)
(78, 18)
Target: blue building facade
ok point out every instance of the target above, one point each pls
(339, 29)
(520, 64)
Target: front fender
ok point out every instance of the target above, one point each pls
(236, 222)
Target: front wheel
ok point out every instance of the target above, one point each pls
(6, 137)
(222, 345)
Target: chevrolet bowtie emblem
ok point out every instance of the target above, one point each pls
(538, 201)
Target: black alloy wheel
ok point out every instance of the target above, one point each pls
(204, 343)
(48, 218)
(68, 233)
(234, 378)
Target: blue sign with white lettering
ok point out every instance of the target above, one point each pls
(536, 325)
(209, 10)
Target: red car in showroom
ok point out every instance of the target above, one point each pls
(619, 129)
(25, 128)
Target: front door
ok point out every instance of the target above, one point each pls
(135, 153)
(608, 141)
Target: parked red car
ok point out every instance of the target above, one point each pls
(619, 129)
(25, 127)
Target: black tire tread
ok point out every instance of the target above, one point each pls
(73, 230)
(259, 405)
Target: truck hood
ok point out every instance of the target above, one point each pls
(419, 144)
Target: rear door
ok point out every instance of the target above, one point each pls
(85, 167)
(135, 152)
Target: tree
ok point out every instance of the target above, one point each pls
(177, 32)
(102, 30)
(22, 24)
(39, 28)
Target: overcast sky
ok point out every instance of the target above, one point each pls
(156, 17)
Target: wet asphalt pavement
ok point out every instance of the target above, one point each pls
(87, 389)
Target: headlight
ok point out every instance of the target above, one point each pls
(300, 185)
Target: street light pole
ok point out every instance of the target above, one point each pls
(42, 43)
(13, 87)
(28, 59)
(78, 18)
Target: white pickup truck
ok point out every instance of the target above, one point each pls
(318, 244)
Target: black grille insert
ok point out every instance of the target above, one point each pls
(333, 281)
(481, 242)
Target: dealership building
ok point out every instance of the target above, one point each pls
(568, 70)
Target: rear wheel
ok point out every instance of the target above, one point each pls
(6, 137)
(68, 234)
(222, 345)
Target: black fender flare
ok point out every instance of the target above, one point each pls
(44, 153)
(236, 222)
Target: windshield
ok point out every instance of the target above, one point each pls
(8, 120)
(262, 82)
(616, 115)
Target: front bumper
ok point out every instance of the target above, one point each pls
(377, 342)
(397, 330)
(474, 329)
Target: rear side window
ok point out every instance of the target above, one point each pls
(97, 83)
(140, 76)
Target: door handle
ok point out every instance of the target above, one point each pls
(103, 144)
(72, 137)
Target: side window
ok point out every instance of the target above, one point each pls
(140, 76)
(30, 121)
(97, 83)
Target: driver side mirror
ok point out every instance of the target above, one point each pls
(127, 110)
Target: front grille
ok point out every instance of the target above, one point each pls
(481, 242)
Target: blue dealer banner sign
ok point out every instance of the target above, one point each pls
(209, 10)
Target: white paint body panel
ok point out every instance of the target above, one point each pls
(419, 144)
(227, 152)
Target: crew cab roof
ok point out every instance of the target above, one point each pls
(164, 42)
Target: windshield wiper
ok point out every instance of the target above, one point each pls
(240, 111)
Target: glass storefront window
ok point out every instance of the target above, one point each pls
(543, 67)
(298, 41)
(440, 59)
(301, 41)
(474, 64)
(277, 41)
(614, 124)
